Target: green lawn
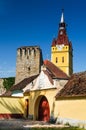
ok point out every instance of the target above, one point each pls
(66, 128)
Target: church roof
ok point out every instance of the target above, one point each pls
(55, 71)
(6, 94)
(51, 71)
(23, 83)
(62, 35)
(76, 86)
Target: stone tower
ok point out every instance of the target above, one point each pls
(61, 49)
(29, 61)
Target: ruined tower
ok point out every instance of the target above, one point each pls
(29, 61)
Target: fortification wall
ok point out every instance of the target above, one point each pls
(12, 107)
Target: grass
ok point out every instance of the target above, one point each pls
(67, 128)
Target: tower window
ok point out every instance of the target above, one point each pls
(62, 59)
(28, 68)
(56, 60)
(34, 52)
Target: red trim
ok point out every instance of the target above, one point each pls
(8, 116)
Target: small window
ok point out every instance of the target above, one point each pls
(62, 59)
(56, 60)
(34, 52)
(29, 68)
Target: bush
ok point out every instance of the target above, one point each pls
(8, 82)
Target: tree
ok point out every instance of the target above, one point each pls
(8, 82)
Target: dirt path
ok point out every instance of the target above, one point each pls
(22, 124)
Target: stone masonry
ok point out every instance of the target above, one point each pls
(2, 88)
(29, 61)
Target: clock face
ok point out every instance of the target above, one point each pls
(59, 47)
(61, 32)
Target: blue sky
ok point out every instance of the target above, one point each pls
(35, 22)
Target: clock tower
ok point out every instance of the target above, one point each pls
(61, 49)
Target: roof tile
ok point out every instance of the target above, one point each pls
(55, 71)
(76, 86)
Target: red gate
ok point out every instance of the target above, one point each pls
(44, 110)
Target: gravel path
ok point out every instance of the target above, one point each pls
(22, 124)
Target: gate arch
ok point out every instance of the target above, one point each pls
(42, 109)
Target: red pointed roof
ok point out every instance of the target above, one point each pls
(54, 70)
(62, 35)
(61, 39)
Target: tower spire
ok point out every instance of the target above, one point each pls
(62, 24)
(61, 54)
(62, 16)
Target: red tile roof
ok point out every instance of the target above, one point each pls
(6, 94)
(76, 86)
(55, 71)
(20, 85)
(52, 72)
(61, 39)
(23, 83)
(49, 76)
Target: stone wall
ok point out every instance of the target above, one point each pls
(2, 89)
(29, 61)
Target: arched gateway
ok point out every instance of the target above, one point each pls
(43, 109)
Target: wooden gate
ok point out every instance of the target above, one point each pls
(44, 110)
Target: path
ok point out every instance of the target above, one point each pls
(22, 124)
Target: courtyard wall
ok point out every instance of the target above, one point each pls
(12, 107)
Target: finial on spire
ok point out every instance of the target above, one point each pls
(62, 16)
(62, 24)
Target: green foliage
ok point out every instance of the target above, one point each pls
(8, 82)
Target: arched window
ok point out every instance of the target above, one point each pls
(56, 60)
(62, 59)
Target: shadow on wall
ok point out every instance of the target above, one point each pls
(52, 118)
(11, 107)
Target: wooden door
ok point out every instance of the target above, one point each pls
(44, 111)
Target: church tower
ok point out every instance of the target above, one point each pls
(61, 49)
